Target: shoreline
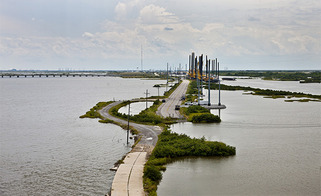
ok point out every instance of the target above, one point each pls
(128, 179)
(129, 175)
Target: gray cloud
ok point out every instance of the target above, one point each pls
(168, 29)
(253, 19)
(229, 29)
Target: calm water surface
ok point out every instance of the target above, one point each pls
(293, 86)
(45, 149)
(135, 108)
(278, 149)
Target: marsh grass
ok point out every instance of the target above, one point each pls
(171, 146)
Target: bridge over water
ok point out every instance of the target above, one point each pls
(50, 74)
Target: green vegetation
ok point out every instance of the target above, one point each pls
(302, 100)
(307, 77)
(170, 91)
(139, 74)
(126, 74)
(267, 92)
(192, 87)
(205, 118)
(93, 112)
(199, 114)
(172, 145)
(191, 93)
(195, 109)
(147, 116)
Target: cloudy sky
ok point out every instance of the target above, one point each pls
(108, 34)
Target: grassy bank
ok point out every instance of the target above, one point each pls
(93, 112)
(172, 145)
(267, 93)
(147, 116)
(306, 76)
(191, 92)
(199, 114)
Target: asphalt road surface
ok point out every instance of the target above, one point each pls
(149, 134)
(167, 109)
(128, 178)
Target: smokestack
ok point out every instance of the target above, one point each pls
(189, 63)
(219, 85)
(209, 81)
(201, 73)
(198, 83)
(206, 68)
(193, 62)
(213, 66)
(216, 66)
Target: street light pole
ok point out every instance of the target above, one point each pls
(128, 123)
(147, 93)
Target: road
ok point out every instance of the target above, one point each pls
(128, 179)
(168, 108)
(148, 133)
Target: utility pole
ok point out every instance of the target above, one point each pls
(167, 78)
(158, 90)
(141, 56)
(198, 82)
(193, 66)
(147, 93)
(128, 122)
(201, 74)
(208, 65)
(219, 84)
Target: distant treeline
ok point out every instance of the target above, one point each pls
(306, 76)
(267, 92)
(150, 75)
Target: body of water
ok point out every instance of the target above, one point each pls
(135, 108)
(293, 86)
(46, 149)
(278, 147)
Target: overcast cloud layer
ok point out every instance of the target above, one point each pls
(101, 34)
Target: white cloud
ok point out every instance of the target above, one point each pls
(87, 35)
(152, 14)
(168, 32)
(121, 11)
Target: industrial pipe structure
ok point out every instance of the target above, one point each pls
(196, 72)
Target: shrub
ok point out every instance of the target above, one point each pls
(153, 173)
(93, 112)
(205, 118)
(196, 109)
(173, 145)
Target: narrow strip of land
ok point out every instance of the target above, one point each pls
(168, 108)
(148, 133)
(128, 180)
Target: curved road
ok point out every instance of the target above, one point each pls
(149, 134)
(128, 179)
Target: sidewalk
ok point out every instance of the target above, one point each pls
(129, 176)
